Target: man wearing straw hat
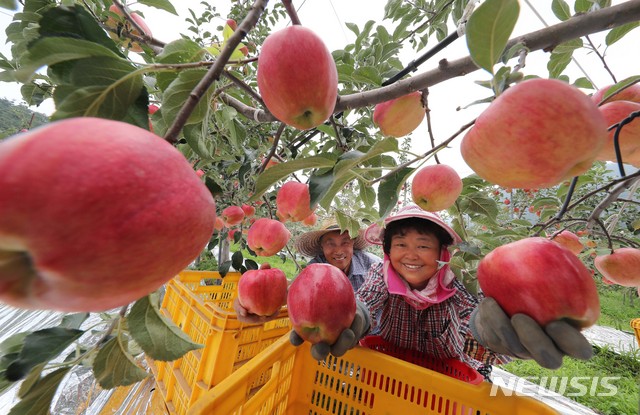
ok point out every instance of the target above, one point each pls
(330, 245)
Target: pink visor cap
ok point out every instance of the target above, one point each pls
(375, 233)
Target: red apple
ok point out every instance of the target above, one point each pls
(232, 215)
(219, 223)
(128, 43)
(248, 210)
(629, 137)
(297, 77)
(399, 117)
(267, 237)
(263, 291)
(536, 134)
(569, 240)
(631, 93)
(436, 187)
(310, 220)
(541, 279)
(88, 219)
(293, 202)
(321, 303)
(622, 266)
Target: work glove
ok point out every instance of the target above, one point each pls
(520, 336)
(347, 340)
(244, 316)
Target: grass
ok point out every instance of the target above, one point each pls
(618, 308)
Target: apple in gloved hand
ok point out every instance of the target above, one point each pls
(321, 303)
(539, 278)
(263, 291)
(95, 214)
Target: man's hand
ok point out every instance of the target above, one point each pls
(347, 340)
(245, 316)
(520, 336)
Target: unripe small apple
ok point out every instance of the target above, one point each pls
(622, 266)
(232, 215)
(321, 303)
(541, 279)
(297, 77)
(569, 240)
(267, 237)
(293, 202)
(263, 291)
(536, 134)
(400, 116)
(436, 187)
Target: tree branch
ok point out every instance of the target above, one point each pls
(214, 72)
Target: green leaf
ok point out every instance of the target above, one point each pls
(31, 380)
(73, 321)
(160, 4)
(9, 4)
(282, 170)
(348, 222)
(620, 85)
(367, 74)
(619, 32)
(38, 400)
(114, 366)
(367, 194)
(561, 9)
(478, 203)
(159, 337)
(52, 50)
(489, 29)
(338, 184)
(236, 258)
(41, 346)
(179, 91)
(353, 158)
(319, 185)
(389, 189)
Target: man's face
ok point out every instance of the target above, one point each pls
(338, 249)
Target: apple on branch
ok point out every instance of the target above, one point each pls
(267, 237)
(232, 215)
(297, 77)
(293, 202)
(569, 240)
(400, 116)
(128, 43)
(631, 93)
(436, 187)
(540, 278)
(88, 222)
(536, 134)
(321, 303)
(621, 267)
(615, 112)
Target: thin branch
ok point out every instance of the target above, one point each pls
(274, 148)
(213, 74)
(544, 39)
(621, 186)
(291, 11)
(601, 57)
(425, 105)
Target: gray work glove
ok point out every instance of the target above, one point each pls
(520, 336)
(348, 339)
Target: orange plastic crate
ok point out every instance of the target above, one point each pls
(201, 304)
(635, 323)
(449, 367)
(362, 382)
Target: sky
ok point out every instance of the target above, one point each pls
(328, 17)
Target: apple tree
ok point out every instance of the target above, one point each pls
(200, 93)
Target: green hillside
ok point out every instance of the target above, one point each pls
(14, 118)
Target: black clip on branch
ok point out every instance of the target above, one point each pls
(616, 139)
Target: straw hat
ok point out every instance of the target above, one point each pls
(308, 244)
(375, 233)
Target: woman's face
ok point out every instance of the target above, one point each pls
(338, 249)
(414, 256)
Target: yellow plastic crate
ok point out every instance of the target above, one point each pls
(635, 323)
(201, 304)
(362, 382)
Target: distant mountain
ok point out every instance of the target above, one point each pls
(14, 118)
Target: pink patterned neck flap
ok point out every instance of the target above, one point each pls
(437, 290)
